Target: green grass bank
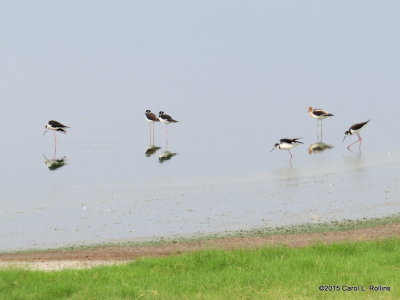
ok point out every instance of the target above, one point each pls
(345, 270)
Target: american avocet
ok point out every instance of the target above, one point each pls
(355, 129)
(318, 114)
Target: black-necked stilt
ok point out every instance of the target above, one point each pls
(55, 126)
(166, 119)
(355, 129)
(151, 118)
(287, 144)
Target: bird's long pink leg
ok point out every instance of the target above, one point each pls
(153, 132)
(150, 132)
(321, 129)
(55, 145)
(359, 140)
(290, 160)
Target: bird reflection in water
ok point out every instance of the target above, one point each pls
(318, 147)
(166, 155)
(151, 149)
(55, 163)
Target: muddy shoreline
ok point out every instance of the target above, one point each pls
(88, 256)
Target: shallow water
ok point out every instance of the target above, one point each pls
(104, 193)
(237, 85)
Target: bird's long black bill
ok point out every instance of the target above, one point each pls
(272, 150)
(44, 132)
(344, 138)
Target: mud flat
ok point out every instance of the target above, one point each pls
(299, 236)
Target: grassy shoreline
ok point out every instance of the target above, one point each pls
(331, 226)
(344, 270)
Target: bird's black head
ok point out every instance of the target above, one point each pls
(160, 113)
(347, 132)
(275, 146)
(148, 111)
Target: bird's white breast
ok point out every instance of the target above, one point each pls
(164, 121)
(287, 146)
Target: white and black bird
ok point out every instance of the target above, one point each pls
(151, 118)
(355, 129)
(166, 119)
(287, 144)
(55, 126)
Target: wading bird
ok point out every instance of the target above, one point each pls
(318, 114)
(151, 118)
(166, 119)
(287, 144)
(55, 126)
(355, 129)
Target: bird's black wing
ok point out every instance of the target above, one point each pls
(289, 141)
(56, 124)
(168, 118)
(358, 125)
(297, 140)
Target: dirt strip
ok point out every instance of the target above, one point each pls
(125, 253)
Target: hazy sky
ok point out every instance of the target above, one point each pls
(104, 62)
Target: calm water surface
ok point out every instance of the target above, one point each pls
(105, 188)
